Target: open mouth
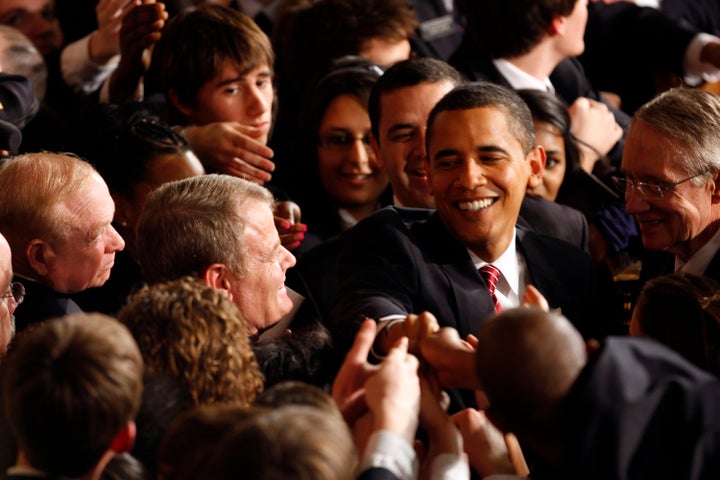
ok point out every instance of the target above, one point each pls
(475, 205)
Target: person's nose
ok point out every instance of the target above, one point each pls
(361, 156)
(115, 242)
(635, 202)
(472, 174)
(258, 102)
(288, 260)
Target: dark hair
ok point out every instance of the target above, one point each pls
(508, 28)
(408, 73)
(682, 311)
(547, 108)
(485, 94)
(331, 29)
(122, 140)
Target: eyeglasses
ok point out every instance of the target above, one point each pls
(342, 141)
(16, 291)
(648, 190)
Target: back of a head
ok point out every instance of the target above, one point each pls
(409, 73)
(196, 41)
(682, 311)
(191, 439)
(70, 386)
(509, 28)
(188, 225)
(194, 333)
(488, 95)
(527, 360)
(31, 187)
(296, 442)
(291, 392)
(688, 119)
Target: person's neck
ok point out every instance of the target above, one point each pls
(686, 250)
(359, 212)
(94, 474)
(539, 62)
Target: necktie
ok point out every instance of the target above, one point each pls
(491, 275)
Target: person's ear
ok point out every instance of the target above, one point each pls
(180, 106)
(716, 187)
(558, 26)
(40, 256)
(124, 211)
(537, 159)
(217, 276)
(124, 440)
(376, 150)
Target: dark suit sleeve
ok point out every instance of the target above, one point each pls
(377, 473)
(376, 275)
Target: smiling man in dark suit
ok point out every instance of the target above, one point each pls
(481, 159)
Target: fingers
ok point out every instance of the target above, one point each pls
(363, 342)
(533, 298)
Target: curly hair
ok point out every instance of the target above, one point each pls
(196, 334)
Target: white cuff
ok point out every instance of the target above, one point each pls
(697, 71)
(79, 71)
(388, 450)
(449, 466)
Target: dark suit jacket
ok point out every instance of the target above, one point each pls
(626, 46)
(438, 34)
(554, 220)
(399, 261)
(568, 78)
(40, 304)
(640, 411)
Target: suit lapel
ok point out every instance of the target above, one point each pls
(471, 300)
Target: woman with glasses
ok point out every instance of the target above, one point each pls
(339, 181)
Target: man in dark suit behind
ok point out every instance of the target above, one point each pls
(531, 44)
(481, 159)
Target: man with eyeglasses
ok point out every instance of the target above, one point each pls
(12, 296)
(670, 180)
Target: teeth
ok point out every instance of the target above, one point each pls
(475, 204)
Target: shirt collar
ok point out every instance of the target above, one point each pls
(698, 263)
(508, 265)
(519, 79)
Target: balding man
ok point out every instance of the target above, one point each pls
(12, 296)
(55, 211)
(631, 409)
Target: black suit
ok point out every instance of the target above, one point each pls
(640, 411)
(399, 261)
(626, 46)
(568, 79)
(438, 34)
(40, 304)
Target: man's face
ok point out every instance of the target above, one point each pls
(401, 146)
(84, 257)
(573, 43)
(479, 174)
(235, 96)
(7, 304)
(260, 293)
(678, 221)
(36, 19)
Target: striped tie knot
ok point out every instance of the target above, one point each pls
(491, 274)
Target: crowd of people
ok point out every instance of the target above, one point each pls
(359, 239)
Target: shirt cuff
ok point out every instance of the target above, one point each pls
(79, 71)
(383, 324)
(387, 450)
(449, 466)
(697, 71)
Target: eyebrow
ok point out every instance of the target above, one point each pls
(481, 149)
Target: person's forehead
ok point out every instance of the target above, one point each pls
(28, 5)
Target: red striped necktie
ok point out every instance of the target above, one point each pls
(491, 275)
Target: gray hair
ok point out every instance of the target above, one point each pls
(690, 120)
